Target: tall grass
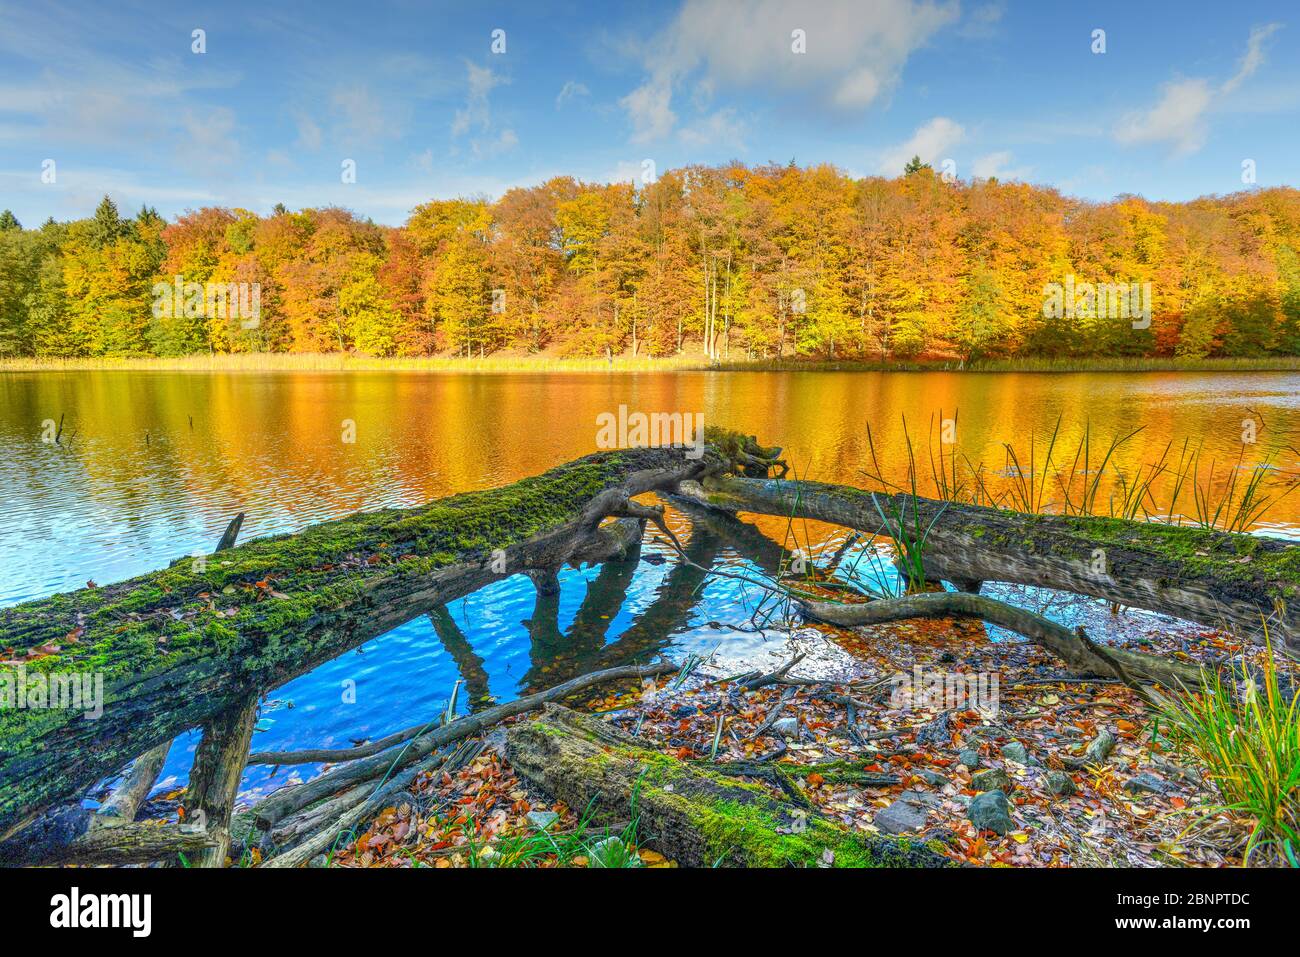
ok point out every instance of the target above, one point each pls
(1194, 489)
(1249, 746)
(596, 846)
(901, 523)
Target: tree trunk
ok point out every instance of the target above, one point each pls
(1213, 578)
(687, 812)
(214, 780)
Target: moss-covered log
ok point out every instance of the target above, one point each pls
(177, 646)
(67, 838)
(687, 812)
(1214, 578)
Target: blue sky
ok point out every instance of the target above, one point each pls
(414, 94)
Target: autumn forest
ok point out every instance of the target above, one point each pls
(732, 262)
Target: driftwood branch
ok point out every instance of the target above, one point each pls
(1077, 651)
(124, 802)
(356, 804)
(290, 799)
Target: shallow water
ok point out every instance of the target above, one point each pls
(151, 466)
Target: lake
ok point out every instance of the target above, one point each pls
(150, 466)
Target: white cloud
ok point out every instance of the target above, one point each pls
(477, 113)
(1179, 116)
(503, 142)
(998, 164)
(983, 20)
(1254, 57)
(855, 52)
(212, 142)
(721, 128)
(476, 117)
(858, 89)
(931, 142)
(649, 107)
(361, 116)
(572, 89)
(309, 135)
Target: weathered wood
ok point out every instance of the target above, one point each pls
(323, 839)
(178, 646)
(125, 800)
(308, 821)
(231, 533)
(1210, 577)
(214, 780)
(129, 843)
(687, 812)
(1069, 645)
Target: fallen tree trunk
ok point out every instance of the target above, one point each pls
(178, 646)
(1070, 645)
(688, 813)
(129, 843)
(1213, 578)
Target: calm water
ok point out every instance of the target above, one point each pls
(153, 465)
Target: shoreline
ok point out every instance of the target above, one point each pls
(339, 362)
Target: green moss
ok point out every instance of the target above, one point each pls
(1197, 550)
(744, 833)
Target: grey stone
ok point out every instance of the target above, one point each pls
(1060, 784)
(542, 819)
(927, 798)
(991, 811)
(1148, 783)
(969, 757)
(903, 815)
(994, 779)
(936, 733)
(1016, 752)
(932, 778)
(786, 727)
